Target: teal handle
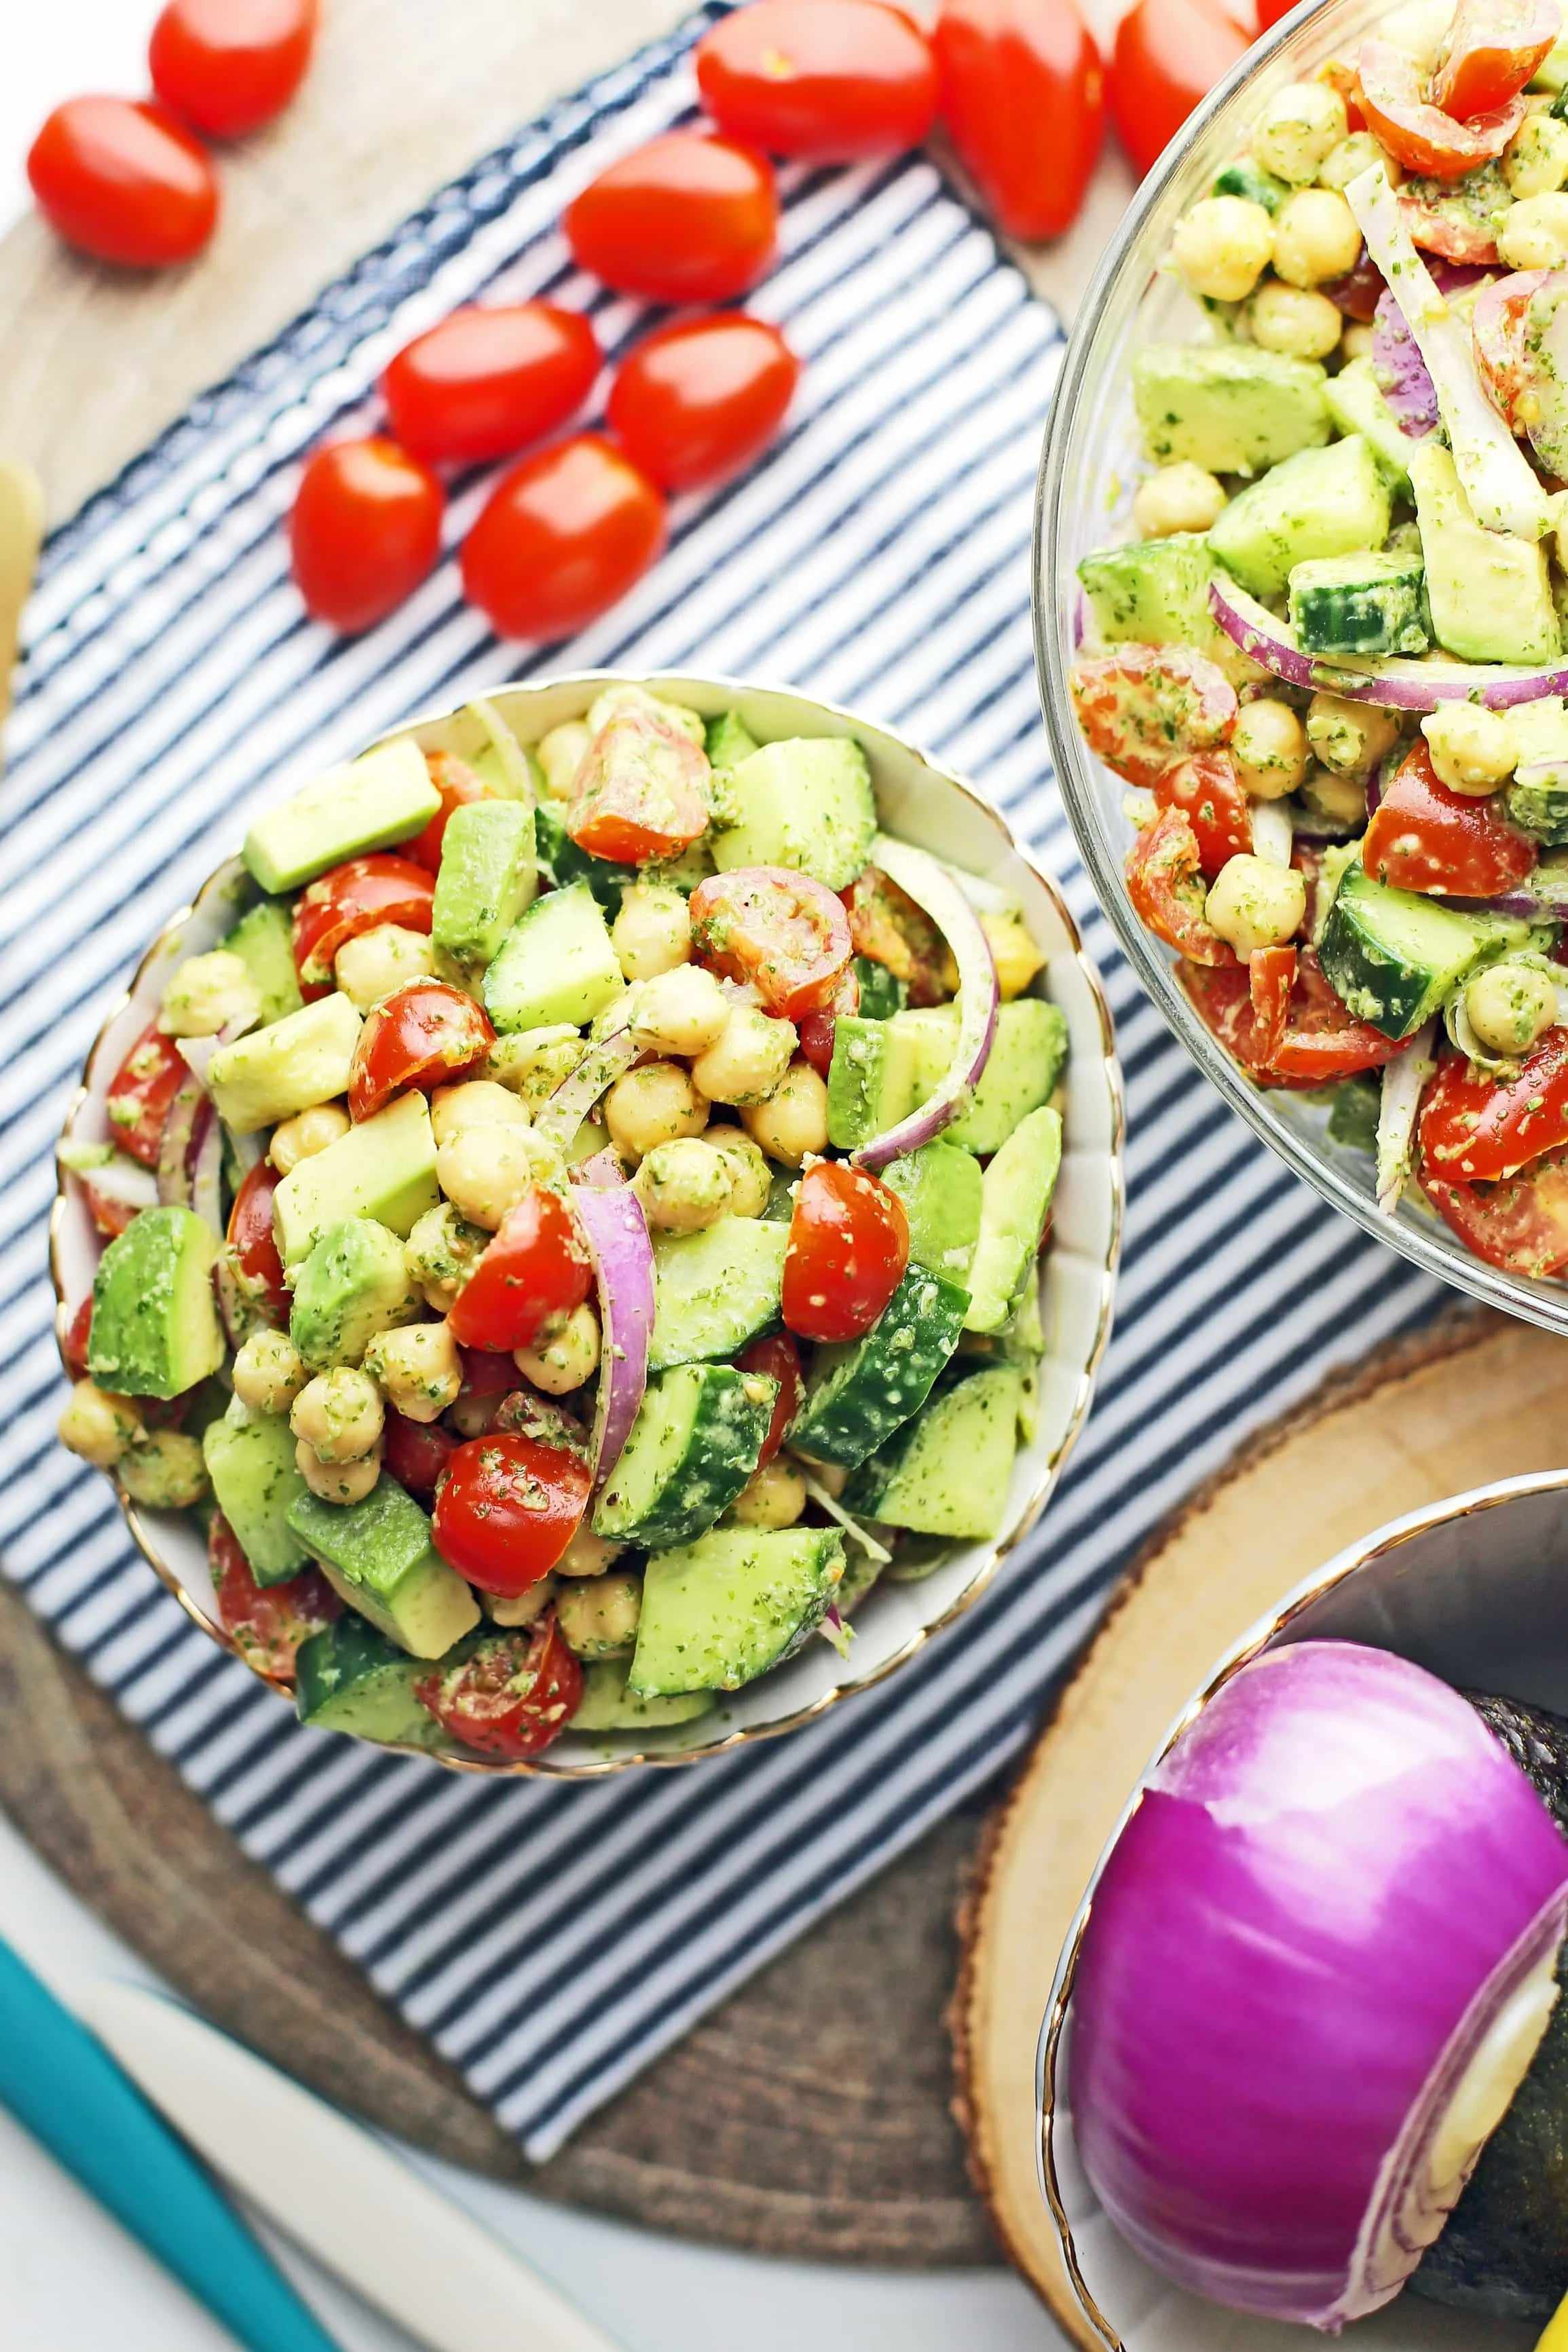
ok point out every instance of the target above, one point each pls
(64, 2087)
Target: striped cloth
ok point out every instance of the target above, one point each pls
(550, 1940)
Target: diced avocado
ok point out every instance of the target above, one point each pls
(1320, 502)
(860, 1392)
(1356, 405)
(1027, 1058)
(722, 1610)
(1018, 1184)
(805, 803)
(693, 1445)
(384, 1168)
(289, 1065)
(354, 1284)
(873, 1079)
(715, 1290)
(940, 1186)
(155, 1330)
(948, 1473)
(383, 797)
(1361, 605)
(1393, 957)
(378, 1556)
(1489, 594)
(1156, 592)
(606, 1705)
(263, 938)
(1250, 181)
(350, 1678)
(556, 964)
(489, 875)
(881, 991)
(1538, 796)
(730, 740)
(250, 1461)
(1227, 407)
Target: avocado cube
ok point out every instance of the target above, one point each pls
(289, 1065)
(383, 797)
(1229, 408)
(384, 1168)
(806, 804)
(378, 1557)
(873, 1079)
(1017, 1187)
(941, 1187)
(1489, 594)
(1320, 502)
(354, 1284)
(263, 940)
(1356, 405)
(488, 876)
(155, 1330)
(555, 965)
(1156, 592)
(1027, 1058)
(255, 1477)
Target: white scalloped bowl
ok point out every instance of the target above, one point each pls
(921, 802)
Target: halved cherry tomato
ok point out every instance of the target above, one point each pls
(1206, 787)
(817, 1029)
(1477, 1128)
(1269, 12)
(124, 180)
(424, 1035)
(691, 217)
(415, 1452)
(536, 1267)
(698, 400)
(510, 1696)
(358, 896)
(508, 1508)
(1222, 998)
(267, 1622)
(848, 1246)
(561, 539)
(887, 927)
(1318, 1042)
(1492, 48)
(786, 933)
(778, 1359)
(641, 791)
(1455, 219)
(230, 66)
(1520, 1225)
(1168, 56)
(1271, 978)
(1164, 884)
(253, 1248)
(833, 79)
(78, 1339)
(1357, 294)
(484, 382)
(459, 786)
(365, 531)
(1142, 707)
(1022, 96)
(1419, 134)
(1424, 837)
(140, 1091)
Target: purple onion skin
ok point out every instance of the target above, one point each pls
(1401, 370)
(1319, 1880)
(623, 1270)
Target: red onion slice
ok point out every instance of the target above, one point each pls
(605, 1059)
(177, 1147)
(934, 890)
(130, 1183)
(206, 1170)
(1402, 372)
(1394, 685)
(623, 1271)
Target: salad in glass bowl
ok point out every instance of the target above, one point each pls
(570, 1202)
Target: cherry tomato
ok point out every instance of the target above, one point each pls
(415, 1452)
(1424, 837)
(426, 1034)
(1270, 13)
(1492, 49)
(124, 181)
(1454, 228)
(819, 1029)
(459, 786)
(887, 927)
(562, 538)
(537, 1267)
(1477, 1128)
(253, 1248)
(483, 383)
(1343, 79)
(508, 1509)
(1270, 979)
(230, 66)
(698, 400)
(641, 791)
(1206, 787)
(1422, 137)
(78, 1339)
(833, 79)
(1022, 94)
(349, 899)
(365, 531)
(488, 1381)
(778, 1359)
(1222, 998)
(1357, 294)
(266, 1622)
(140, 1091)
(513, 1695)
(1520, 1225)
(786, 933)
(1143, 707)
(1322, 1043)
(1168, 56)
(848, 1246)
(1164, 884)
(688, 219)
(1317, 1043)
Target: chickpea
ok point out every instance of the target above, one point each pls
(652, 933)
(1472, 748)
(1013, 951)
(308, 1132)
(1357, 342)
(1316, 238)
(1221, 248)
(566, 1352)
(520, 1608)
(793, 1119)
(560, 755)
(683, 1011)
(1510, 1006)
(371, 967)
(1352, 156)
(749, 1060)
(626, 701)
(751, 1178)
(477, 1102)
(339, 1414)
(165, 1470)
(98, 1426)
(773, 1496)
(1289, 319)
(1269, 747)
(418, 1367)
(485, 1171)
(1535, 234)
(655, 1103)
(1535, 160)
(1351, 738)
(1341, 799)
(598, 1616)
(438, 1253)
(684, 1186)
(1256, 905)
(1183, 497)
(337, 1482)
(532, 1062)
(1300, 129)
(588, 1554)
(207, 994)
(830, 1476)
(269, 1372)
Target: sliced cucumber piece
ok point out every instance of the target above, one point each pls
(715, 1290)
(947, 1474)
(864, 1391)
(1393, 957)
(693, 1445)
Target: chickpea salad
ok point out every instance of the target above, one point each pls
(1331, 662)
(579, 1229)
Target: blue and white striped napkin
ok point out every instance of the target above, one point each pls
(552, 1939)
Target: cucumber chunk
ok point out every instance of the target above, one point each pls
(1320, 502)
(722, 1610)
(554, 965)
(607, 1704)
(564, 863)
(805, 803)
(1360, 605)
(347, 1677)
(947, 1474)
(693, 1445)
(1393, 957)
(715, 1290)
(862, 1391)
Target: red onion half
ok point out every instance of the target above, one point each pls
(623, 1270)
(937, 893)
(1317, 1966)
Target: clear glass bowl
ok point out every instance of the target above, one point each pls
(1086, 472)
